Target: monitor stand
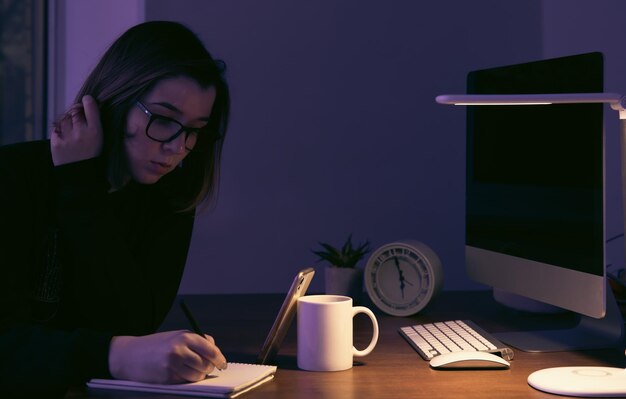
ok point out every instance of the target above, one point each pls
(589, 333)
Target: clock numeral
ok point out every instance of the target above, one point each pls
(415, 302)
(423, 268)
(386, 302)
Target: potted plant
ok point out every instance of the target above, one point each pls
(341, 276)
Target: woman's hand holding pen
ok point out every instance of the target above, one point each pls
(78, 135)
(166, 358)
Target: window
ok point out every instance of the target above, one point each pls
(22, 70)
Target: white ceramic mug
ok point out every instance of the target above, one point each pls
(325, 332)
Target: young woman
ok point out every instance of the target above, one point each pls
(96, 222)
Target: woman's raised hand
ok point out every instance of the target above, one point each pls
(78, 135)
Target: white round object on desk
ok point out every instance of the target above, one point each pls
(586, 381)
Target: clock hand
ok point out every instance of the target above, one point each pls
(402, 279)
(395, 260)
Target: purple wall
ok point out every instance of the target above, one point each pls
(79, 31)
(335, 129)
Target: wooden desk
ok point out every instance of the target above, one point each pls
(239, 324)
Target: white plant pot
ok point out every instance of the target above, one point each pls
(344, 281)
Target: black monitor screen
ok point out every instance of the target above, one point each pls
(535, 172)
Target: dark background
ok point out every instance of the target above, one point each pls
(334, 125)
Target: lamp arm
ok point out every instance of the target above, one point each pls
(622, 139)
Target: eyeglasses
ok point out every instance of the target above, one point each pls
(164, 130)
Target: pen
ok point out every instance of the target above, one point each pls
(196, 328)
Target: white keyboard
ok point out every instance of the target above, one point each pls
(432, 339)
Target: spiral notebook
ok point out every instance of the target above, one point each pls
(238, 378)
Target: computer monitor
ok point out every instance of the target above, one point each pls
(535, 192)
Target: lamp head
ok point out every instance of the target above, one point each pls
(616, 101)
(529, 99)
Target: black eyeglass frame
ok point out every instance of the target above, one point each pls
(183, 129)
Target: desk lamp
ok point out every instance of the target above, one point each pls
(582, 380)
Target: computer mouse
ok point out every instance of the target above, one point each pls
(468, 360)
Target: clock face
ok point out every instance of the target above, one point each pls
(400, 279)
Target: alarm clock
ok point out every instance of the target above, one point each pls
(402, 277)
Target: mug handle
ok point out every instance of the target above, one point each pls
(362, 309)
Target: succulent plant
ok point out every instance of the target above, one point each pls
(347, 256)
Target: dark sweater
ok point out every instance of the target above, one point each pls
(79, 265)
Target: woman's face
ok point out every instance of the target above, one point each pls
(180, 98)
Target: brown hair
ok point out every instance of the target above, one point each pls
(141, 57)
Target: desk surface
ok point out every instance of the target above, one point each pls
(239, 324)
